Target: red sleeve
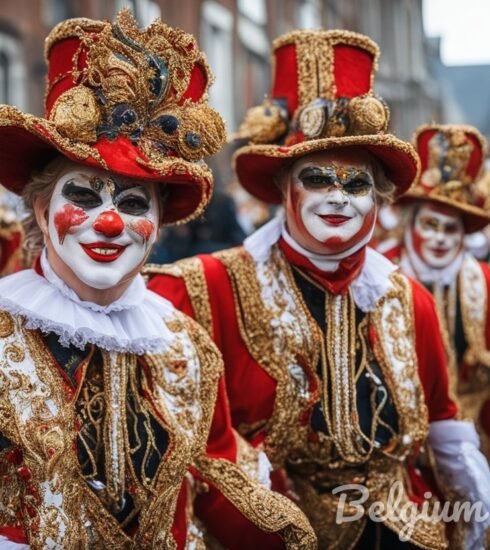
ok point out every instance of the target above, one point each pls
(431, 355)
(173, 289)
(486, 272)
(229, 526)
(250, 388)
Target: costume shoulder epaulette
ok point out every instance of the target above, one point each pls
(177, 269)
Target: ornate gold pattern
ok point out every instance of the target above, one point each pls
(38, 418)
(474, 304)
(272, 512)
(133, 85)
(445, 178)
(288, 349)
(264, 123)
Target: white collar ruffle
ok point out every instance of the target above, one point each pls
(134, 323)
(372, 283)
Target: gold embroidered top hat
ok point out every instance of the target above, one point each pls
(131, 101)
(322, 98)
(452, 157)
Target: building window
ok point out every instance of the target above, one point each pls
(54, 11)
(217, 42)
(254, 71)
(12, 72)
(309, 14)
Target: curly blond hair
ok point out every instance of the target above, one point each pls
(40, 186)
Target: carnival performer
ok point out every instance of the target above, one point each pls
(334, 363)
(11, 258)
(448, 203)
(114, 426)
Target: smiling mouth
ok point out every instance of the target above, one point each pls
(103, 252)
(439, 252)
(334, 219)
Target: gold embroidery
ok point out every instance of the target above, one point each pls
(52, 500)
(272, 512)
(474, 303)
(283, 338)
(191, 271)
(6, 324)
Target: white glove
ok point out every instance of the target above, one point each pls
(6, 544)
(456, 449)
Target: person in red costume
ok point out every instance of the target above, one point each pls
(115, 430)
(449, 202)
(10, 235)
(334, 363)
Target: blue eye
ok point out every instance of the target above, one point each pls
(168, 123)
(193, 140)
(123, 115)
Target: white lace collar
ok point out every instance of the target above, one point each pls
(372, 283)
(134, 323)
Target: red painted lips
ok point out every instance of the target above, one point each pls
(439, 252)
(103, 252)
(335, 219)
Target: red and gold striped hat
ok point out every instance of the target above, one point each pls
(322, 98)
(127, 100)
(452, 158)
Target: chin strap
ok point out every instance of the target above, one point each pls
(456, 449)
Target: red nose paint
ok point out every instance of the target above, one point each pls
(109, 223)
(68, 217)
(143, 227)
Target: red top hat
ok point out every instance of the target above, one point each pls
(126, 100)
(322, 98)
(452, 157)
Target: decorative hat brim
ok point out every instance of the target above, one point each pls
(28, 143)
(474, 218)
(258, 165)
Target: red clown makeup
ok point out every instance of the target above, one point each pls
(330, 202)
(68, 218)
(437, 234)
(102, 227)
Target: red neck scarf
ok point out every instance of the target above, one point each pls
(336, 282)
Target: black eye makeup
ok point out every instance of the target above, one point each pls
(314, 177)
(350, 181)
(85, 197)
(133, 201)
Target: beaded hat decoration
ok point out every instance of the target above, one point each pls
(452, 157)
(132, 101)
(322, 98)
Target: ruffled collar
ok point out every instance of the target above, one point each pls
(134, 323)
(372, 282)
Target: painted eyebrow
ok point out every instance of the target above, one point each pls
(118, 189)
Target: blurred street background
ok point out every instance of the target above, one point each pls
(434, 66)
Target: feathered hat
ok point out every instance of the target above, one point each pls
(452, 157)
(127, 100)
(322, 98)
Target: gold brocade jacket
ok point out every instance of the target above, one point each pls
(294, 386)
(463, 308)
(45, 494)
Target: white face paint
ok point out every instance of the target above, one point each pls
(102, 226)
(437, 235)
(330, 203)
